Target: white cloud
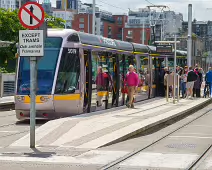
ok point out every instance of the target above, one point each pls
(200, 7)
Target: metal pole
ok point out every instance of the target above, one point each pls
(122, 32)
(161, 32)
(94, 17)
(88, 23)
(167, 89)
(189, 48)
(33, 78)
(175, 56)
(19, 4)
(143, 34)
(178, 88)
(65, 13)
(150, 24)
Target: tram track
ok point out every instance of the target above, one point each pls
(131, 154)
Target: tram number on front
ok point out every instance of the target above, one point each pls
(72, 51)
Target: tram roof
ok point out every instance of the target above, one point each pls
(140, 48)
(100, 41)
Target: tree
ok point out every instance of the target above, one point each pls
(9, 31)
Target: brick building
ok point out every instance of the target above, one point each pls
(110, 26)
(135, 34)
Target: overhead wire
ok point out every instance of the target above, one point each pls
(112, 5)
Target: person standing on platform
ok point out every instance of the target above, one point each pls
(197, 83)
(192, 77)
(208, 80)
(132, 81)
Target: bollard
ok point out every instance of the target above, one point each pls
(178, 88)
(167, 89)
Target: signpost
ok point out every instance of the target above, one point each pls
(31, 44)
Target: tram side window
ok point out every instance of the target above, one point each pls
(130, 60)
(69, 71)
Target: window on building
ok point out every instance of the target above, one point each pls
(119, 20)
(109, 31)
(81, 19)
(130, 33)
(81, 25)
(82, 31)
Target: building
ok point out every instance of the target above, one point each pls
(67, 15)
(163, 24)
(106, 24)
(23, 2)
(8, 4)
(47, 6)
(202, 29)
(70, 4)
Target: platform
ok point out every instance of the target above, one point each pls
(97, 129)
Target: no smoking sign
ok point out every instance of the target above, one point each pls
(31, 15)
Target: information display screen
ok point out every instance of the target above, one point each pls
(164, 49)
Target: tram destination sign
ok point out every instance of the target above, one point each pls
(164, 49)
(31, 43)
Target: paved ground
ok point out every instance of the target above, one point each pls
(177, 151)
(94, 130)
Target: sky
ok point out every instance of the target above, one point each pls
(202, 9)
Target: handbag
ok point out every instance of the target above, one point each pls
(124, 90)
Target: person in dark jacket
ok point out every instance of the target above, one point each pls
(191, 78)
(197, 83)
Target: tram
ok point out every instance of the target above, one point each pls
(67, 75)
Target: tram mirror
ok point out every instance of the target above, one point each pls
(71, 89)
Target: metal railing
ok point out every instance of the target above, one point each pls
(170, 83)
(7, 84)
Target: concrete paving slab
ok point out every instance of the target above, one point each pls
(160, 160)
(99, 130)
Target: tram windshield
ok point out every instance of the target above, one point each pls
(46, 69)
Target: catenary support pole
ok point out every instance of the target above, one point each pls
(175, 61)
(65, 7)
(143, 33)
(94, 17)
(33, 78)
(189, 45)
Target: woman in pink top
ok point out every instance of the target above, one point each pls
(132, 82)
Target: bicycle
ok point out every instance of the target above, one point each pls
(206, 90)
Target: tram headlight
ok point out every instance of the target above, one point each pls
(20, 98)
(44, 98)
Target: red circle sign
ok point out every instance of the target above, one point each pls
(31, 15)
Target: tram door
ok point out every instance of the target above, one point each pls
(110, 72)
(88, 81)
(128, 60)
(159, 72)
(102, 83)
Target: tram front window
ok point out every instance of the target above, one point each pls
(46, 69)
(69, 71)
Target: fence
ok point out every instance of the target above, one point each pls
(7, 84)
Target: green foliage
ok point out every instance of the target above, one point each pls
(9, 31)
(205, 54)
(56, 23)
